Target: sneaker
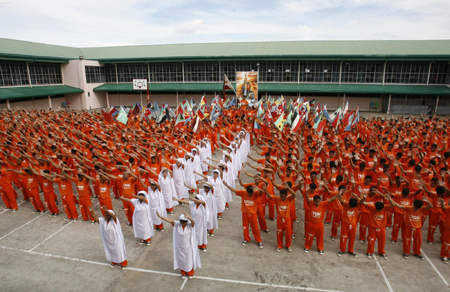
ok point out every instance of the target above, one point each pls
(142, 242)
(124, 268)
(267, 231)
(387, 227)
(4, 209)
(112, 266)
(384, 256)
(14, 210)
(149, 243)
(296, 220)
(43, 212)
(429, 242)
(321, 252)
(340, 253)
(326, 223)
(277, 249)
(260, 244)
(293, 236)
(212, 234)
(353, 254)
(227, 208)
(183, 277)
(205, 249)
(219, 217)
(272, 219)
(74, 220)
(445, 260)
(92, 222)
(333, 238)
(405, 256)
(305, 250)
(171, 213)
(207, 234)
(161, 230)
(56, 214)
(35, 211)
(419, 256)
(51, 215)
(191, 277)
(289, 249)
(369, 255)
(244, 242)
(361, 241)
(129, 224)
(393, 241)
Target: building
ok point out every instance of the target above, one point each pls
(391, 76)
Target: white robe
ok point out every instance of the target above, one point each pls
(179, 178)
(203, 156)
(199, 216)
(156, 201)
(189, 174)
(185, 248)
(211, 210)
(168, 190)
(113, 242)
(218, 193)
(197, 167)
(142, 219)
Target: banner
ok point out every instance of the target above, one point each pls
(247, 85)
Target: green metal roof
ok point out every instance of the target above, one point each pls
(289, 87)
(35, 91)
(404, 49)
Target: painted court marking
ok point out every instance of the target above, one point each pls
(184, 283)
(434, 267)
(384, 275)
(20, 226)
(173, 274)
(9, 209)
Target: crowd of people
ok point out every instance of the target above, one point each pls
(384, 175)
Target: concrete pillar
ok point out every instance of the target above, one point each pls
(141, 96)
(107, 100)
(389, 105)
(49, 102)
(7, 104)
(437, 104)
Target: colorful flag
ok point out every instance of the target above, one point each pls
(346, 119)
(113, 112)
(345, 108)
(106, 116)
(321, 126)
(156, 107)
(180, 121)
(202, 101)
(161, 116)
(226, 85)
(122, 116)
(335, 122)
(193, 103)
(279, 123)
(200, 114)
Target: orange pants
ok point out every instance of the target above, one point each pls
(445, 248)
(284, 226)
(314, 229)
(122, 264)
(348, 233)
(251, 219)
(160, 226)
(376, 234)
(202, 246)
(363, 222)
(190, 273)
(105, 202)
(398, 223)
(416, 234)
(425, 215)
(336, 222)
(36, 200)
(271, 209)
(389, 218)
(116, 189)
(330, 210)
(261, 219)
(307, 217)
(50, 202)
(128, 208)
(69, 206)
(85, 202)
(293, 215)
(96, 190)
(9, 197)
(433, 223)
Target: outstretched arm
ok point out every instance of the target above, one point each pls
(165, 219)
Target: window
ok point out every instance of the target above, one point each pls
(166, 72)
(362, 72)
(110, 73)
(286, 71)
(201, 71)
(407, 72)
(128, 72)
(230, 68)
(319, 71)
(440, 72)
(95, 74)
(13, 73)
(45, 73)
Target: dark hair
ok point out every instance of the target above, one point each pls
(405, 191)
(440, 190)
(316, 197)
(379, 205)
(283, 192)
(353, 202)
(418, 204)
(249, 189)
(313, 186)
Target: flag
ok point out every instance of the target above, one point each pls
(156, 107)
(197, 121)
(193, 103)
(356, 118)
(106, 116)
(279, 123)
(289, 118)
(348, 128)
(312, 102)
(161, 116)
(180, 121)
(321, 126)
(295, 126)
(345, 108)
(346, 119)
(113, 112)
(202, 101)
(325, 114)
(335, 122)
(333, 115)
(316, 123)
(226, 85)
(268, 118)
(200, 114)
(122, 116)
(146, 111)
(279, 110)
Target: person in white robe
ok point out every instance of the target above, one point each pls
(179, 178)
(198, 209)
(203, 148)
(112, 237)
(167, 187)
(185, 250)
(211, 207)
(188, 162)
(157, 205)
(196, 163)
(216, 182)
(142, 217)
(226, 177)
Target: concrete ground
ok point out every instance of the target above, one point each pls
(40, 253)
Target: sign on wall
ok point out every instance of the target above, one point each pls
(247, 85)
(139, 84)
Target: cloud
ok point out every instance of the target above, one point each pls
(190, 27)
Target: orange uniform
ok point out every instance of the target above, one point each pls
(377, 229)
(413, 224)
(315, 224)
(283, 219)
(248, 209)
(348, 227)
(6, 190)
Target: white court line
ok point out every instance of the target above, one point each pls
(174, 274)
(384, 275)
(184, 283)
(9, 209)
(21, 226)
(58, 231)
(434, 267)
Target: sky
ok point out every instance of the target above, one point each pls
(94, 23)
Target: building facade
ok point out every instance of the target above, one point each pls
(411, 77)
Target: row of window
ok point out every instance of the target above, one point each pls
(409, 72)
(16, 73)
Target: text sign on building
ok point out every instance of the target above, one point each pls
(139, 84)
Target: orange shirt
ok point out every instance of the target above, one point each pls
(5, 178)
(248, 204)
(127, 187)
(32, 181)
(413, 218)
(65, 187)
(377, 219)
(349, 215)
(82, 188)
(317, 213)
(408, 201)
(104, 189)
(47, 186)
(283, 207)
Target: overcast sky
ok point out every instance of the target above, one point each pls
(83, 23)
